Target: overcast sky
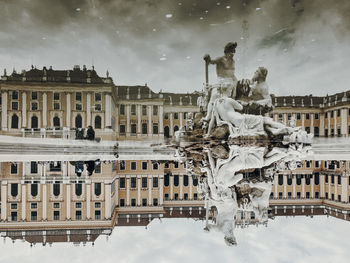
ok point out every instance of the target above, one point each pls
(304, 44)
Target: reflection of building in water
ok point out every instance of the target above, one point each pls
(47, 203)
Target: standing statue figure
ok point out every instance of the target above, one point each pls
(227, 81)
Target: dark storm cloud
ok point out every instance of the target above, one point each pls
(162, 42)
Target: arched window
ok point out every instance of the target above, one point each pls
(166, 180)
(298, 179)
(98, 122)
(307, 180)
(289, 180)
(78, 189)
(317, 178)
(185, 180)
(195, 181)
(176, 128)
(35, 122)
(97, 189)
(78, 121)
(176, 180)
(34, 189)
(14, 190)
(56, 121)
(56, 189)
(14, 121)
(280, 179)
(166, 132)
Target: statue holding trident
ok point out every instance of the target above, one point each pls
(227, 81)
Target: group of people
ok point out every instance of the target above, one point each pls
(90, 134)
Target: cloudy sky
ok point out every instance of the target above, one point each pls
(304, 44)
(300, 239)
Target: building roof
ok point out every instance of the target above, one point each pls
(76, 75)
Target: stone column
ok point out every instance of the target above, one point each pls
(161, 186)
(171, 132)
(138, 119)
(335, 188)
(108, 201)
(285, 186)
(329, 123)
(322, 186)
(285, 118)
(150, 190)
(322, 125)
(3, 200)
(161, 126)
(344, 122)
(344, 188)
(294, 183)
(88, 109)
(4, 111)
(68, 201)
(149, 120)
(303, 187)
(190, 184)
(181, 182)
(88, 200)
(139, 190)
(312, 186)
(24, 202)
(127, 119)
(171, 179)
(68, 113)
(335, 123)
(312, 130)
(44, 200)
(24, 109)
(180, 117)
(44, 110)
(127, 178)
(108, 110)
(303, 121)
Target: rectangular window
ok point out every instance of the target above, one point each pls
(122, 109)
(144, 202)
(122, 202)
(176, 196)
(155, 110)
(56, 205)
(133, 182)
(98, 107)
(166, 197)
(15, 95)
(316, 195)
(14, 168)
(144, 182)
(195, 196)
(339, 198)
(13, 206)
(317, 164)
(97, 96)
(332, 114)
(133, 128)
(144, 110)
(144, 165)
(133, 202)
(33, 167)
(289, 195)
(78, 215)
(78, 96)
(97, 205)
(122, 165)
(186, 196)
(34, 106)
(122, 183)
(176, 116)
(122, 129)
(56, 106)
(133, 109)
(14, 105)
(176, 164)
(133, 166)
(13, 216)
(326, 115)
(33, 216)
(326, 195)
(79, 106)
(98, 168)
(298, 116)
(56, 96)
(307, 116)
(34, 205)
(155, 166)
(155, 182)
(298, 195)
(155, 201)
(97, 214)
(166, 116)
(78, 205)
(307, 194)
(155, 128)
(56, 215)
(338, 113)
(316, 116)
